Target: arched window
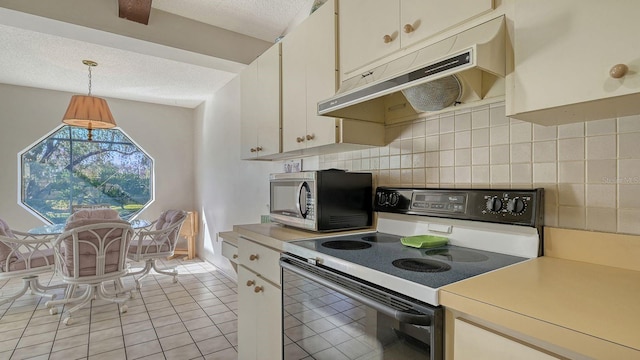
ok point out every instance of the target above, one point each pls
(64, 170)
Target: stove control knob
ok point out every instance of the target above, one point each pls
(382, 198)
(494, 204)
(516, 206)
(394, 199)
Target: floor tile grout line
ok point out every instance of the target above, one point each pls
(193, 270)
(27, 326)
(154, 328)
(174, 309)
(201, 308)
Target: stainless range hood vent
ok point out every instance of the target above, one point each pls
(474, 59)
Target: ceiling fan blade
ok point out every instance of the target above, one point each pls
(135, 10)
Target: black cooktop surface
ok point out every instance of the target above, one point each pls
(432, 267)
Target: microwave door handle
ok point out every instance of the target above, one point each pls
(302, 210)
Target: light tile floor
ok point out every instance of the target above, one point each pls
(194, 318)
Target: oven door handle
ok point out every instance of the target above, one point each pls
(402, 316)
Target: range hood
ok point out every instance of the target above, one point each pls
(473, 59)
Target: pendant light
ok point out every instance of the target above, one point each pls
(89, 111)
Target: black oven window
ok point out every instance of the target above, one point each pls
(324, 324)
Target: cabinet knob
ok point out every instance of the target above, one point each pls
(387, 39)
(299, 139)
(253, 150)
(408, 28)
(259, 148)
(258, 289)
(618, 71)
(254, 257)
(235, 256)
(311, 137)
(251, 283)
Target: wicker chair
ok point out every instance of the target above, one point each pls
(25, 255)
(157, 241)
(91, 252)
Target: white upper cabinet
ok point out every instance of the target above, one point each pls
(364, 24)
(563, 54)
(260, 106)
(309, 75)
(372, 29)
(420, 19)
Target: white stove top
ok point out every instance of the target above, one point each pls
(474, 247)
(371, 256)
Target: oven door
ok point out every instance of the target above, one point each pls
(330, 315)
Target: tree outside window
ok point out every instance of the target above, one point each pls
(65, 169)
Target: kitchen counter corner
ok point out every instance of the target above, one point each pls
(588, 309)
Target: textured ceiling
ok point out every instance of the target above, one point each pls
(262, 19)
(51, 60)
(40, 60)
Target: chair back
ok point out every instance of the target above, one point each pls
(78, 207)
(23, 253)
(93, 249)
(6, 252)
(97, 213)
(171, 221)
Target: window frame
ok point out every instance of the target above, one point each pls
(152, 190)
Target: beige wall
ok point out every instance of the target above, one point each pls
(229, 191)
(590, 171)
(165, 133)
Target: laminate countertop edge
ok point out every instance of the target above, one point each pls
(585, 308)
(274, 235)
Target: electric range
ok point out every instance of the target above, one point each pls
(486, 229)
(369, 296)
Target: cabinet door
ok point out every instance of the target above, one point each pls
(294, 89)
(268, 324)
(259, 317)
(475, 343)
(308, 76)
(563, 51)
(363, 26)
(429, 17)
(321, 73)
(268, 102)
(247, 315)
(248, 115)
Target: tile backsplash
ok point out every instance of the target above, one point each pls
(590, 171)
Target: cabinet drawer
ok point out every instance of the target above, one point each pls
(230, 251)
(260, 259)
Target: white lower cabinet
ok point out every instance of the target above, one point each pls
(473, 342)
(259, 304)
(259, 317)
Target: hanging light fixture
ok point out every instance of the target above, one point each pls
(89, 111)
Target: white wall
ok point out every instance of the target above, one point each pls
(229, 191)
(165, 133)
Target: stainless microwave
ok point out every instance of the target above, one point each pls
(323, 200)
